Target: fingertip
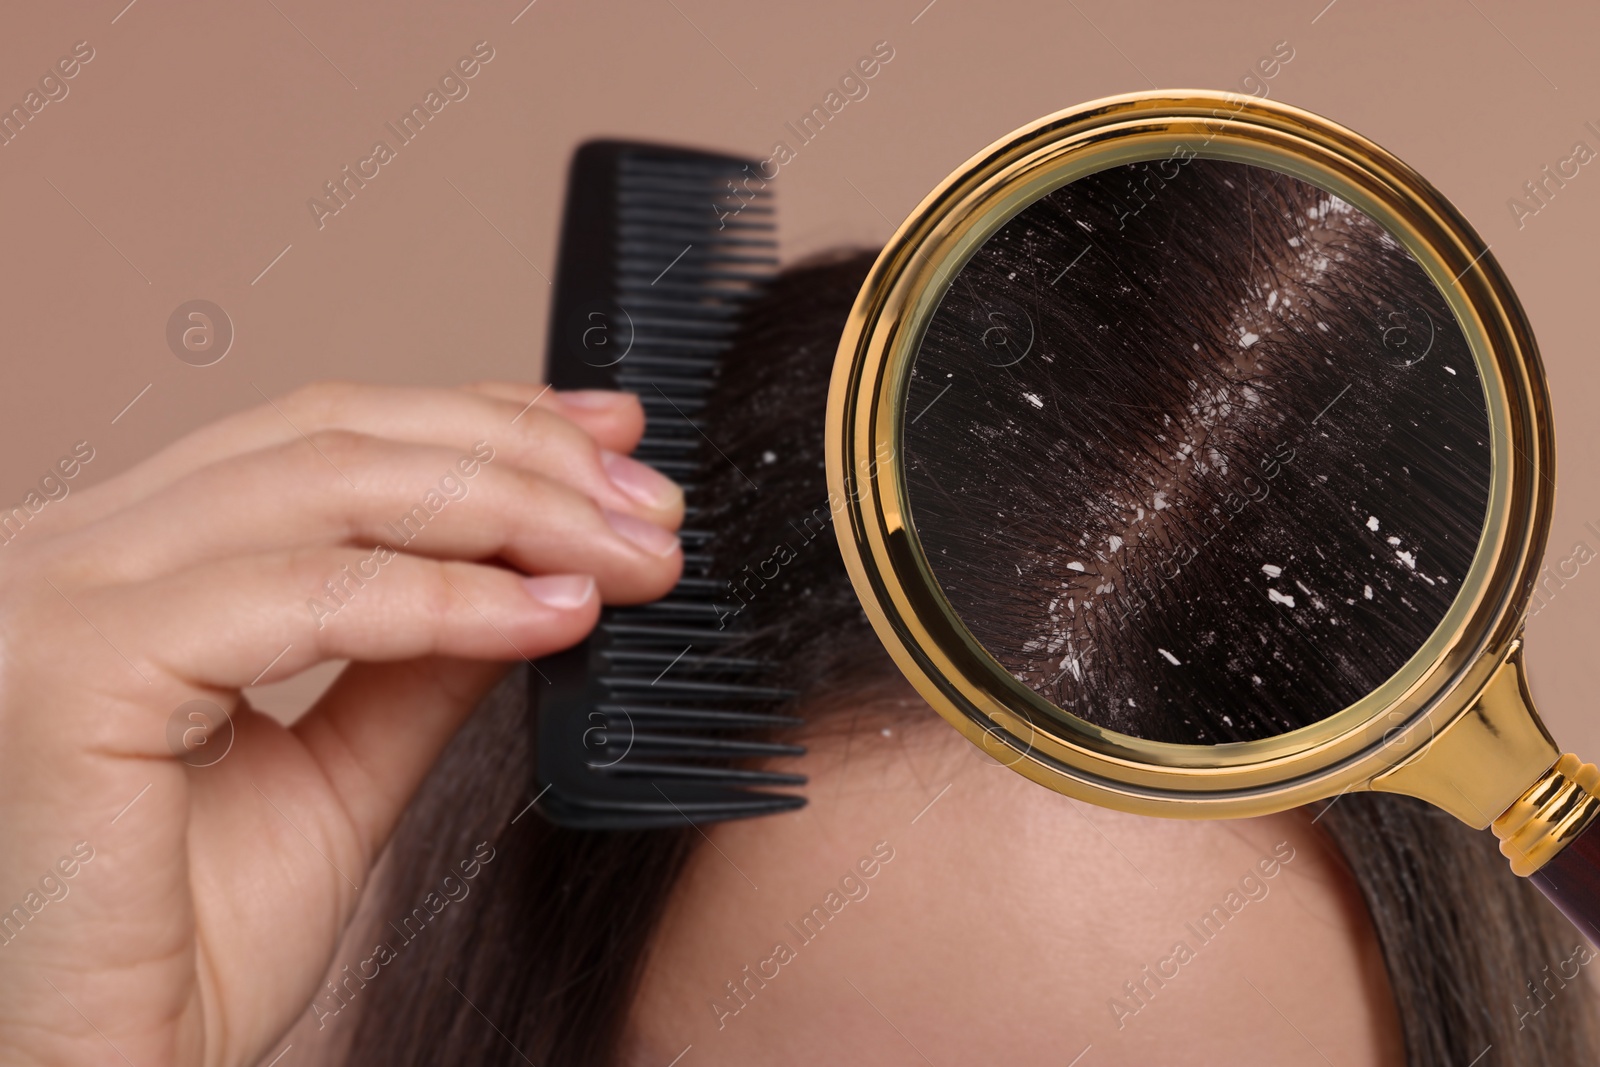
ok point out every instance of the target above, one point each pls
(643, 484)
(653, 540)
(615, 419)
(561, 592)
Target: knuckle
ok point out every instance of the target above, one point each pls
(336, 446)
(306, 570)
(547, 429)
(318, 403)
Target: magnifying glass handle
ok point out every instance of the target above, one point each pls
(1552, 836)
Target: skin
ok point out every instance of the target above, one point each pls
(201, 924)
(1003, 928)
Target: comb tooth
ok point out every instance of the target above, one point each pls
(666, 745)
(642, 160)
(688, 223)
(681, 659)
(666, 383)
(644, 364)
(659, 424)
(674, 606)
(649, 159)
(678, 237)
(669, 189)
(699, 585)
(657, 402)
(661, 717)
(706, 349)
(668, 444)
(667, 634)
(662, 189)
(650, 615)
(690, 266)
(651, 206)
(711, 311)
(692, 772)
(682, 667)
(664, 322)
(667, 804)
(690, 177)
(697, 211)
(629, 288)
(693, 224)
(662, 403)
(639, 246)
(674, 346)
(722, 690)
(643, 634)
(669, 394)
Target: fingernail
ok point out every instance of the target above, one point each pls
(640, 482)
(647, 535)
(561, 591)
(592, 399)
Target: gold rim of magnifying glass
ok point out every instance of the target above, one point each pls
(920, 629)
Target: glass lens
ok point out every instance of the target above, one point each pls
(1197, 451)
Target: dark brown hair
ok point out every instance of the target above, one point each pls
(1219, 480)
(546, 953)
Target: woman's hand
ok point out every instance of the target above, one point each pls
(158, 912)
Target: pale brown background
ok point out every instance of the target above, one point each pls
(180, 165)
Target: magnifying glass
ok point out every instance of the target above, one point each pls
(1192, 455)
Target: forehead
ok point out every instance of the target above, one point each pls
(930, 898)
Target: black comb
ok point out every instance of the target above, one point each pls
(647, 723)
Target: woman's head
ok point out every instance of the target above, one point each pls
(980, 911)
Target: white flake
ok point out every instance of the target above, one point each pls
(1278, 598)
(1372, 523)
(1271, 570)
(1033, 399)
(1170, 658)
